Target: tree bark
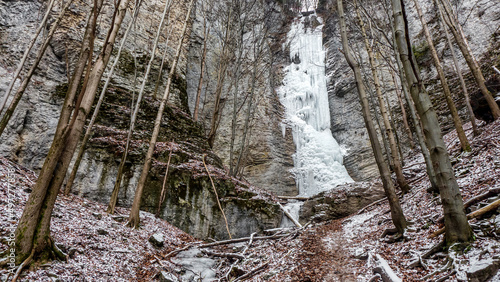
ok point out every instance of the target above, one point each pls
(134, 218)
(456, 30)
(444, 83)
(396, 212)
(459, 72)
(398, 168)
(455, 219)
(413, 113)
(88, 132)
(116, 189)
(33, 230)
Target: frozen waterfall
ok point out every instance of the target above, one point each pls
(318, 159)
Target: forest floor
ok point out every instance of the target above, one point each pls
(101, 248)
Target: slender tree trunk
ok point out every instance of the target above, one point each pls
(403, 110)
(444, 83)
(88, 132)
(459, 72)
(398, 168)
(206, 33)
(26, 53)
(33, 230)
(221, 75)
(396, 212)
(134, 218)
(457, 227)
(456, 30)
(119, 176)
(19, 94)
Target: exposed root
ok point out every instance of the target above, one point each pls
(23, 265)
(58, 253)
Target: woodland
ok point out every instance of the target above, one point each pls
(187, 140)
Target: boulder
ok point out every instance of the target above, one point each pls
(342, 201)
(156, 240)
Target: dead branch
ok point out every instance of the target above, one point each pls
(385, 270)
(239, 240)
(480, 212)
(290, 216)
(293, 198)
(224, 255)
(372, 204)
(491, 193)
(252, 272)
(216, 196)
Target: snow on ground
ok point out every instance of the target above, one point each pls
(100, 246)
(340, 250)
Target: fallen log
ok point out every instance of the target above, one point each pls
(472, 215)
(290, 216)
(472, 201)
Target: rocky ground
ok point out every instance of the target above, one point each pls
(100, 247)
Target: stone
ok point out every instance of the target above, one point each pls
(157, 240)
(97, 215)
(483, 270)
(118, 218)
(101, 231)
(196, 268)
(342, 201)
(164, 276)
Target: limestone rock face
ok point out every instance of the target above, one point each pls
(347, 123)
(190, 202)
(267, 157)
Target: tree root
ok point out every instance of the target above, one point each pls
(23, 264)
(446, 276)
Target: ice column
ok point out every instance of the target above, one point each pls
(318, 159)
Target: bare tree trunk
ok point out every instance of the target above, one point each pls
(26, 53)
(444, 83)
(456, 30)
(119, 176)
(403, 110)
(33, 230)
(164, 188)
(413, 113)
(221, 75)
(134, 212)
(459, 72)
(458, 228)
(396, 212)
(88, 132)
(398, 168)
(206, 34)
(19, 94)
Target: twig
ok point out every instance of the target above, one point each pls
(252, 272)
(217, 196)
(370, 205)
(224, 255)
(163, 190)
